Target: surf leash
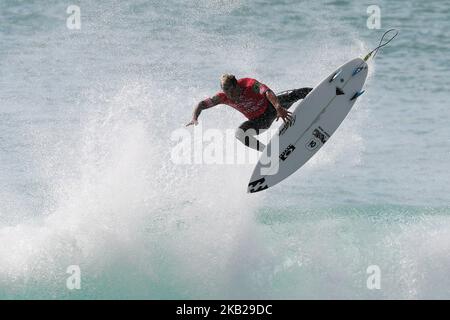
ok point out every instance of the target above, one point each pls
(380, 45)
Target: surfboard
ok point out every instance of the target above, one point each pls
(315, 119)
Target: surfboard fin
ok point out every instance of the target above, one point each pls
(356, 95)
(357, 70)
(335, 75)
(339, 91)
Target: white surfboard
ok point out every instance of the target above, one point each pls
(316, 118)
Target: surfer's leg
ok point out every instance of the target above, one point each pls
(249, 129)
(246, 134)
(289, 98)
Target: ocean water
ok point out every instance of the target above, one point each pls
(86, 177)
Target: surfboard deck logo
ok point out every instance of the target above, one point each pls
(287, 152)
(257, 186)
(321, 134)
(319, 138)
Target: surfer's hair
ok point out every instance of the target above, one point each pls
(227, 81)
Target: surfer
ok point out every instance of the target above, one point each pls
(256, 101)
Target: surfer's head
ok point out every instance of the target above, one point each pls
(228, 83)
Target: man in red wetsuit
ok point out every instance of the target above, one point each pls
(256, 101)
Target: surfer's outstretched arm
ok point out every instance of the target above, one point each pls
(202, 105)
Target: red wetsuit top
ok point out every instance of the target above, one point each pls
(253, 101)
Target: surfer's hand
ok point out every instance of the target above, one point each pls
(193, 122)
(285, 115)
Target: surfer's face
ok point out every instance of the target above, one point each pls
(231, 92)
